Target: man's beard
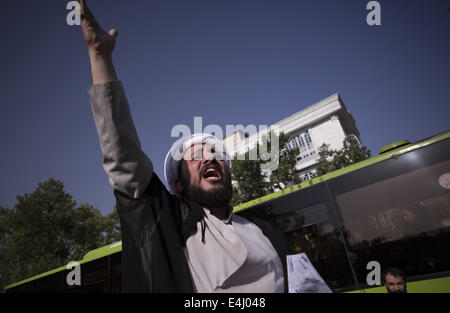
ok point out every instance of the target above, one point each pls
(216, 198)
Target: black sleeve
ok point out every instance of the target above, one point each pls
(153, 258)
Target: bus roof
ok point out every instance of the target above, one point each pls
(88, 257)
(392, 151)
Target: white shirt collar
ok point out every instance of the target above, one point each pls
(227, 220)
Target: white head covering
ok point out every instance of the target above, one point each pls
(175, 155)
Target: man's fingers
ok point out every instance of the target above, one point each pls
(83, 5)
(89, 17)
(85, 12)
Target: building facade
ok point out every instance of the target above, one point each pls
(325, 122)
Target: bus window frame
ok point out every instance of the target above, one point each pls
(395, 166)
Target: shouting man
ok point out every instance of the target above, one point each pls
(185, 239)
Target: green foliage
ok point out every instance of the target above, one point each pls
(111, 229)
(286, 174)
(249, 179)
(351, 152)
(253, 179)
(47, 229)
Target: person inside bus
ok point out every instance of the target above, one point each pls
(415, 220)
(394, 280)
(186, 238)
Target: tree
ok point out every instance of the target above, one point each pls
(46, 229)
(287, 173)
(351, 152)
(248, 179)
(5, 232)
(253, 178)
(112, 230)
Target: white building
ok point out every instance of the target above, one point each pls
(326, 121)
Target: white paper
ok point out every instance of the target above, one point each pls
(303, 277)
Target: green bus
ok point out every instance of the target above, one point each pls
(393, 209)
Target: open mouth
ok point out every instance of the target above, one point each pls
(211, 174)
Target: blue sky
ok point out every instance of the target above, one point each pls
(228, 61)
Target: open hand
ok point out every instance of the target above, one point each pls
(97, 40)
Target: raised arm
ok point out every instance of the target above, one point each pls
(127, 166)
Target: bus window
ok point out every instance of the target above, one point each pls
(95, 275)
(304, 229)
(310, 230)
(400, 221)
(116, 272)
(306, 220)
(51, 283)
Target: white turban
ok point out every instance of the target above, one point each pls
(175, 155)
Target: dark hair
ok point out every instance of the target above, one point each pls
(394, 272)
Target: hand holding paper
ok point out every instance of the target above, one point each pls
(303, 277)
